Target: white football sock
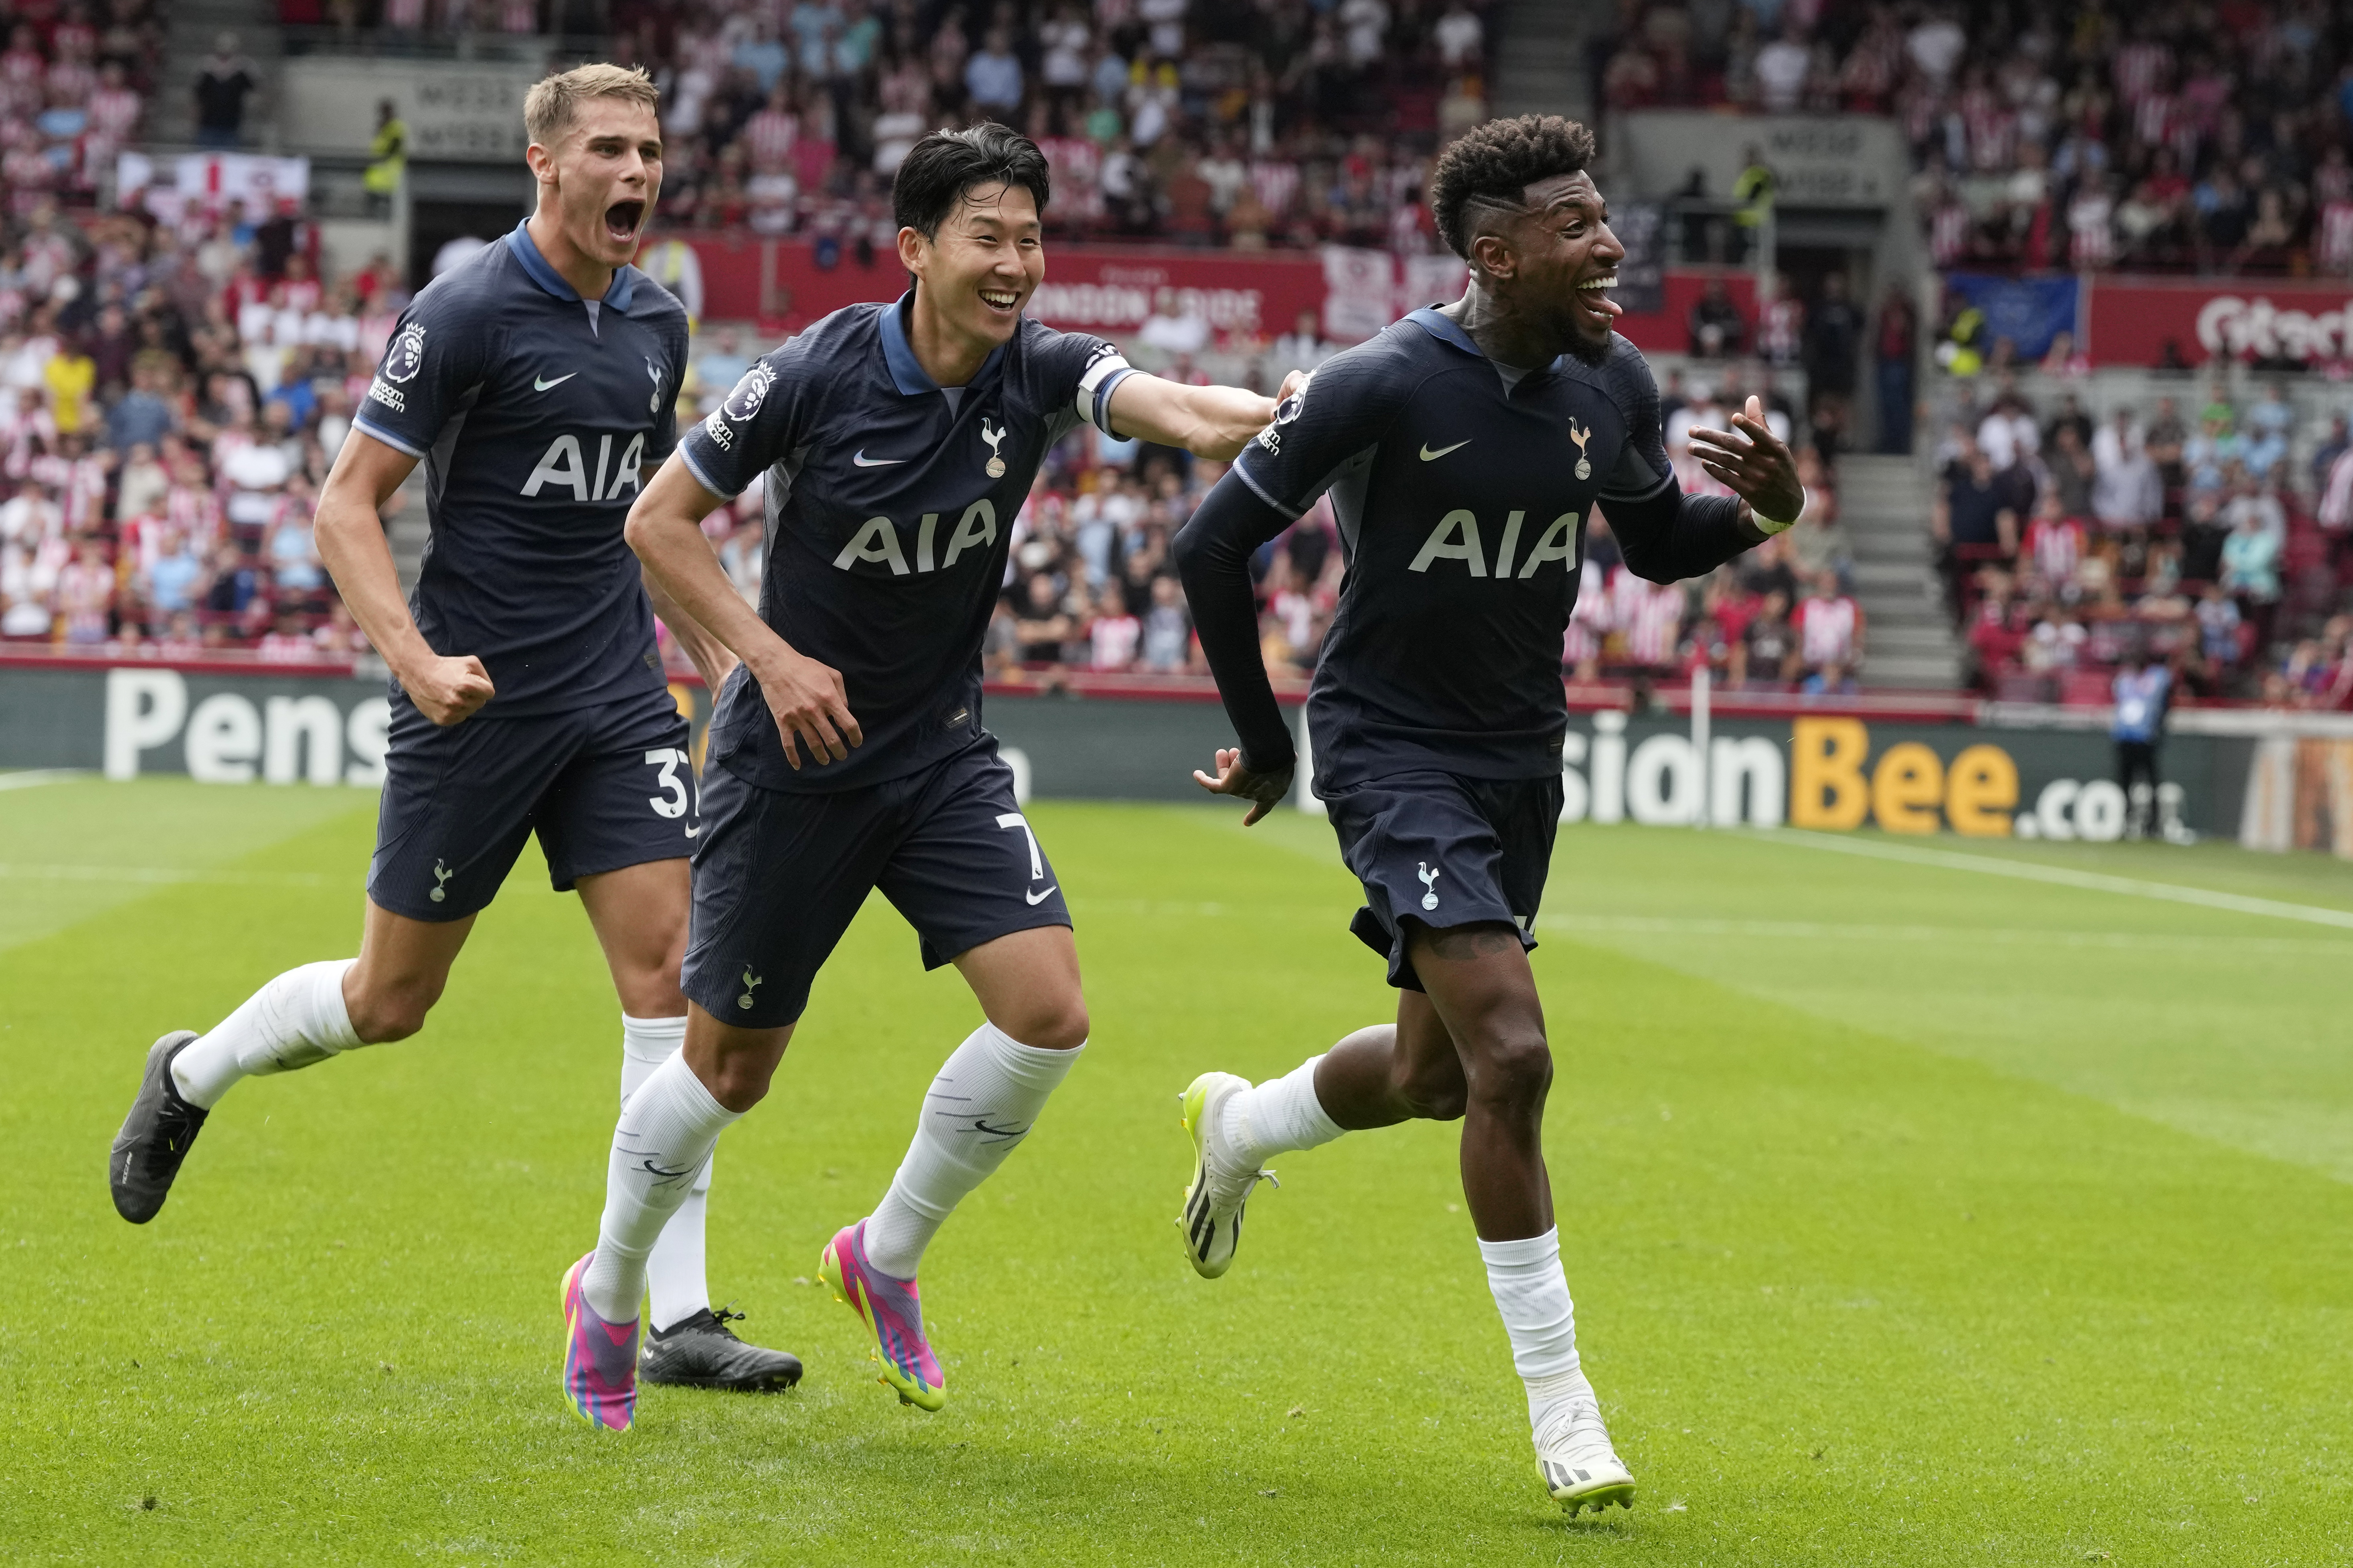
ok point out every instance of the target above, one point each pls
(660, 1145)
(1277, 1117)
(982, 1104)
(297, 1019)
(1532, 1294)
(674, 1269)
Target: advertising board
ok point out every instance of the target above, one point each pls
(1823, 770)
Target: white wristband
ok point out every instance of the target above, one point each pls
(1767, 527)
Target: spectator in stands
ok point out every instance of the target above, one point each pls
(1894, 346)
(1829, 635)
(1834, 342)
(1717, 328)
(2250, 556)
(2127, 490)
(1974, 522)
(2141, 690)
(1820, 542)
(223, 83)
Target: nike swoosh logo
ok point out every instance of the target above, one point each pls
(1041, 898)
(538, 385)
(1427, 455)
(863, 461)
(694, 832)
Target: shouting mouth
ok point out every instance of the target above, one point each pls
(1595, 304)
(621, 220)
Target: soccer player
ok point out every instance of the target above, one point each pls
(537, 383)
(847, 753)
(1464, 449)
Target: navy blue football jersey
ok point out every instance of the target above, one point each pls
(1463, 508)
(538, 417)
(890, 510)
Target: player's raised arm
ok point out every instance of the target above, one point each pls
(1207, 421)
(349, 525)
(1668, 536)
(665, 528)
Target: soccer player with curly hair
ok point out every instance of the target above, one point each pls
(1464, 449)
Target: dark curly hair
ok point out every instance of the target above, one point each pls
(1502, 159)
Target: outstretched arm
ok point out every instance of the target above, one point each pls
(1212, 553)
(1668, 536)
(1207, 421)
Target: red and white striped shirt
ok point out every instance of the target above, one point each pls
(2057, 548)
(2091, 238)
(1276, 182)
(1826, 630)
(2140, 69)
(769, 136)
(1650, 614)
(2336, 236)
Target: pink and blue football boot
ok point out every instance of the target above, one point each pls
(893, 1316)
(600, 1359)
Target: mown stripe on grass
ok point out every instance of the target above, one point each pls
(2094, 881)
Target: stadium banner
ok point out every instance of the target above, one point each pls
(1113, 289)
(2255, 778)
(2130, 321)
(2029, 312)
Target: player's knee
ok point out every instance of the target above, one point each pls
(1514, 1070)
(740, 1080)
(383, 1012)
(1435, 1090)
(1051, 1022)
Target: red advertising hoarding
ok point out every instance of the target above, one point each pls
(1109, 290)
(2234, 317)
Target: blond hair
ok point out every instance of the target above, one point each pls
(549, 107)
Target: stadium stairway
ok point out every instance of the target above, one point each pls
(194, 25)
(1885, 505)
(1539, 49)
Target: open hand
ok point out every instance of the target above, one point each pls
(1757, 464)
(448, 690)
(1263, 791)
(810, 703)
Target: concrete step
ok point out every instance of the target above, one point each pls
(1911, 673)
(1923, 641)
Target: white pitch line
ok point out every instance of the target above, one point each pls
(2092, 881)
(30, 778)
(2010, 936)
(160, 876)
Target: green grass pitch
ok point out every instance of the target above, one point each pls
(1914, 1216)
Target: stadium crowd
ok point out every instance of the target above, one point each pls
(2084, 136)
(2195, 532)
(73, 87)
(170, 399)
(1280, 122)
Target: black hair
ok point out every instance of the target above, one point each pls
(940, 168)
(1500, 159)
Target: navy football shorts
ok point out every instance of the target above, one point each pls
(1445, 850)
(604, 788)
(779, 876)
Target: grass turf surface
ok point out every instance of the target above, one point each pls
(1914, 1216)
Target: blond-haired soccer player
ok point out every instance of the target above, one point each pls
(537, 383)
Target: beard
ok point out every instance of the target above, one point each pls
(1595, 354)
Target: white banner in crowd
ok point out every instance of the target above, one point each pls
(1365, 291)
(210, 180)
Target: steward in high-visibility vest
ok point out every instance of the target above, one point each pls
(388, 154)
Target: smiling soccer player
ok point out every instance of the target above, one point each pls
(1463, 449)
(847, 754)
(537, 383)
